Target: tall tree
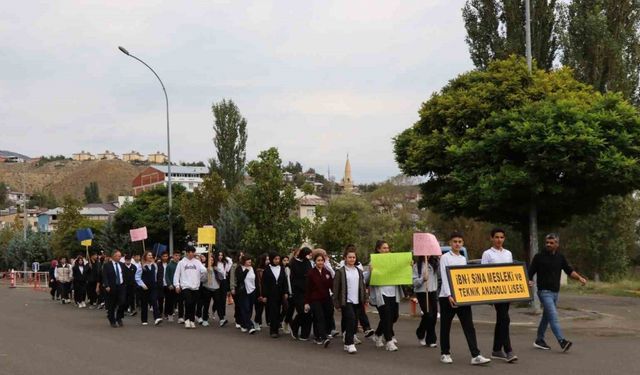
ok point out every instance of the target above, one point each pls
(230, 140)
(202, 207)
(268, 204)
(496, 30)
(231, 226)
(601, 42)
(92, 193)
(503, 146)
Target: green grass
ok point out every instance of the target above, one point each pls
(622, 288)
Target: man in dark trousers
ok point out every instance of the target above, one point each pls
(113, 283)
(161, 284)
(93, 280)
(129, 273)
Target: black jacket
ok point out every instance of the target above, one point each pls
(109, 275)
(299, 270)
(272, 288)
(129, 275)
(80, 278)
(240, 276)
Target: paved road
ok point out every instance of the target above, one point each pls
(38, 336)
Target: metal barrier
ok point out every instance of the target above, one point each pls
(27, 279)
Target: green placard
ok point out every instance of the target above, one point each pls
(391, 269)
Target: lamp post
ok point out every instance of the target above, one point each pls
(166, 98)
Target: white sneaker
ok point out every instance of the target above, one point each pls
(391, 347)
(479, 360)
(187, 324)
(205, 323)
(180, 320)
(238, 326)
(356, 340)
(446, 358)
(252, 331)
(423, 342)
(157, 321)
(379, 340)
(285, 328)
(199, 320)
(351, 349)
(394, 340)
(145, 323)
(243, 330)
(193, 324)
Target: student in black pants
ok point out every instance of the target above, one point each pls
(425, 287)
(93, 279)
(162, 286)
(187, 280)
(221, 264)
(348, 296)
(147, 280)
(80, 276)
(274, 292)
(300, 266)
(245, 293)
(448, 307)
(317, 299)
(129, 273)
(52, 280)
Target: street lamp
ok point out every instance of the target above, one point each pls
(166, 98)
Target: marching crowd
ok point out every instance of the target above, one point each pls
(297, 294)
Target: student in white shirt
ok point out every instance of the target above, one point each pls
(187, 279)
(501, 341)
(449, 309)
(222, 267)
(245, 292)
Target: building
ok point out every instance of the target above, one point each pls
(10, 217)
(83, 156)
(107, 155)
(158, 158)
(308, 205)
(347, 181)
(12, 157)
(156, 175)
(132, 156)
(48, 220)
(17, 197)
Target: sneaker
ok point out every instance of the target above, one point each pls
(511, 357)
(351, 349)
(317, 341)
(479, 360)
(238, 326)
(192, 324)
(565, 345)
(133, 313)
(391, 347)
(379, 340)
(369, 332)
(326, 343)
(499, 355)
(199, 320)
(356, 340)
(541, 344)
(285, 328)
(145, 323)
(252, 331)
(243, 330)
(187, 324)
(205, 323)
(303, 338)
(334, 333)
(433, 345)
(446, 358)
(422, 342)
(394, 340)
(180, 320)
(170, 319)
(223, 322)
(157, 321)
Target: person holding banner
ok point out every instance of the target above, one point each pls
(425, 286)
(147, 279)
(501, 339)
(80, 275)
(449, 309)
(207, 291)
(548, 266)
(386, 299)
(349, 296)
(187, 279)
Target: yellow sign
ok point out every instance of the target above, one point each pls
(85, 243)
(207, 235)
(489, 283)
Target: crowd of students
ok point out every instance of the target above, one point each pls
(297, 294)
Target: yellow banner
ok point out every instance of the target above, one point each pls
(489, 283)
(207, 235)
(85, 243)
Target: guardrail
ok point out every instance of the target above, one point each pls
(26, 279)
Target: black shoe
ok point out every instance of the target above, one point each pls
(113, 325)
(368, 332)
(565, 345)
(541, 344)
(326, 343)
(119, 322)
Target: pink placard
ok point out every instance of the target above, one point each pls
(138, 234)
(425, 244)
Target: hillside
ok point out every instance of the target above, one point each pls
(71, 177)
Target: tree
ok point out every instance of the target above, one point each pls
(600, 41)
(496, 30)
(63, 240)
(308, 188)
(150, 209)
(42, 199)
(293, 168)
(231, 226)
(602, 244)
(3, 195)
(108, 239)
(504, 146)
(269, 204)
(202, 207)
(92, 193)
(230, 140)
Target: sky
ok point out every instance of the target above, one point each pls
(316, 79)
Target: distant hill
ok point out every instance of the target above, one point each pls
(6, 154)
(68, 177)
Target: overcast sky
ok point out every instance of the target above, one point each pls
(316, 79)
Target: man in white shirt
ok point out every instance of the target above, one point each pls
(449, 309)
(187, 279)
(501, 341)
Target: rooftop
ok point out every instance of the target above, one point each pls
(181, 169)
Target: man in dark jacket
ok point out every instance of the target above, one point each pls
(113, 283)
(129, 273)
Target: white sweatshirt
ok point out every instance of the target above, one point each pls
(449, 259)
(189, 274)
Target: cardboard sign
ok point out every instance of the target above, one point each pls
(86, 242)
(391, 269)
(84, 234)
(489, 283)
(207, 235)
(426, 244)
(139, 234)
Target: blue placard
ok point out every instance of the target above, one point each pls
(158, 248)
